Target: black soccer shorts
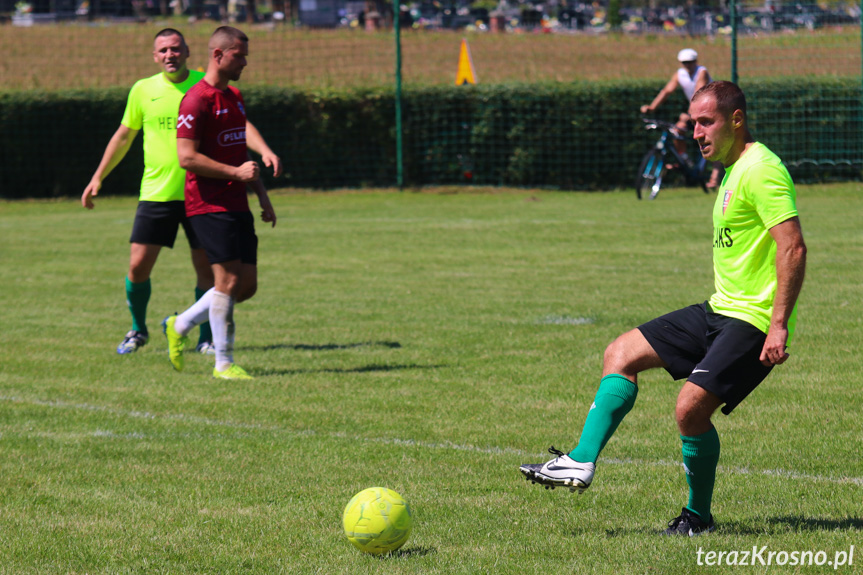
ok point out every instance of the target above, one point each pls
(156, 223)
(715, 352)
(227, 236)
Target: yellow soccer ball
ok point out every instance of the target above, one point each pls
(377, 520)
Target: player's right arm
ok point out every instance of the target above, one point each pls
(115, 151)
(192, 160)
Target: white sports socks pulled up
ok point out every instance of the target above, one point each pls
(195, 315)
(222, 325)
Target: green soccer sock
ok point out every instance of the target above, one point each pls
(700, 457)
(137, 298)
(614, 399)
(206, 333)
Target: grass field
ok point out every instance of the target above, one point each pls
(427, 342)
(350, 58)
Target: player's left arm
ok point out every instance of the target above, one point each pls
(268, 213)
(255, 142)
(790, 270)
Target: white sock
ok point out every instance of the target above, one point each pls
(195, 315)
(222, 324)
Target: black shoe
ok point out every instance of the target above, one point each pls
(133, 341)
(689, 524)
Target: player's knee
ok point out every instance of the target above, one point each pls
(229, 286)
(692, 418)
(614, 358)
(138, 272)
(682, 413)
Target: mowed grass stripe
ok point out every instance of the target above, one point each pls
(406, 442)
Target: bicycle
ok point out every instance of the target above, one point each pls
(664, 157)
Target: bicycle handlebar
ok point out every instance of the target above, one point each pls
(677, 133)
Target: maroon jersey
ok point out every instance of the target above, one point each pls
(217, 119)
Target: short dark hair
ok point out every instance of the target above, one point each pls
(169, 32)
(224, 33)
(727, 95)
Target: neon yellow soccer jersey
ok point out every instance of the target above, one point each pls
(153, 105)
(756, 194)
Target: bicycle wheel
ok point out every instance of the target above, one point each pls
(650, 172)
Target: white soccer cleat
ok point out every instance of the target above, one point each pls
(561, 471)
(206, 348)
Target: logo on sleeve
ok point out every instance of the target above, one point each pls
(232, 137)
(185, 121)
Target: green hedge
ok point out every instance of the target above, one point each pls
(816, 127)
(52, 142)
(563, 136)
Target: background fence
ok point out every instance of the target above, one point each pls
(554, 107)
(824, 137)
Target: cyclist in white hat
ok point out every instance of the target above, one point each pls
(690, 78)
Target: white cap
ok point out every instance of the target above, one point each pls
(687, 55)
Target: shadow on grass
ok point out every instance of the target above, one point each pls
(374, 367)
(788, 523)
(323, 346)
(411, 552)
(611, 533)
(801, 523)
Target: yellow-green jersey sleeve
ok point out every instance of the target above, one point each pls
(757, 193)
(133, 115)
(152, 106)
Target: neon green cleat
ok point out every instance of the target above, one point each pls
(234, 371)
(176, 343)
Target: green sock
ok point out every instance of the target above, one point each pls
(614, 399)
(700, 457)
(206, 333)
(137, 298)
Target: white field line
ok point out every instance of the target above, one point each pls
(492, 450)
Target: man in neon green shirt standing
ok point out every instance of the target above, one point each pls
(153, 106)
(725, 346)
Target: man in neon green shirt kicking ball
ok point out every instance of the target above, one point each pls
(724, 347)
(153, 106)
